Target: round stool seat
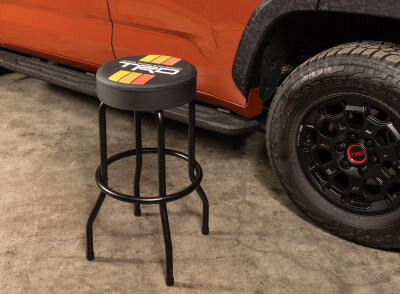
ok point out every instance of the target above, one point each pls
(146, 83)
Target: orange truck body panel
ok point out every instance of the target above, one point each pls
(80, 33)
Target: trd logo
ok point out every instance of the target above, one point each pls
(153, 69)
(356, 154)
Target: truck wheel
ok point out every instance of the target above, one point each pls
(333, 137)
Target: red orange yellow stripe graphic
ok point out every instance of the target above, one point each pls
(127, 77)
(130, 78)
(143, 79)
(160, 59)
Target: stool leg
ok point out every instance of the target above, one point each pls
(205, 229)
(161, 154)
(103, 142)
(162, 191)
(168, 244)
(138, 171)
(104, 176)
(89, 226)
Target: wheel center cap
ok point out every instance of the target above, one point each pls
(357, 154)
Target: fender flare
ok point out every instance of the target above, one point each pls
(266, 13)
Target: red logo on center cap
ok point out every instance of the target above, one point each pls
(357, 154)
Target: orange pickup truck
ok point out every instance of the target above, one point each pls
(327, 72)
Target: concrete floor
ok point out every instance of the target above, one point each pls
(258, 241)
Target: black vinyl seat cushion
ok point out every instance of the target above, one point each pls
(146, 83)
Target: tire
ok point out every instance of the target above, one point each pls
(332, 132)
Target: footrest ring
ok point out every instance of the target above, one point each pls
(149, 200)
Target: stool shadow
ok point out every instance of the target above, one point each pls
(118, 260)
(186, 211)
(189, 211)
(148, 214)
(204, 286)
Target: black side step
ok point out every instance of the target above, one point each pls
(206, 117)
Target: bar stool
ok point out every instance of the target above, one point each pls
(147, 83)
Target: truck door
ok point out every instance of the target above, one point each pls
(178, 26)
(77, 30)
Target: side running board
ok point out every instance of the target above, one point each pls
(206, 117)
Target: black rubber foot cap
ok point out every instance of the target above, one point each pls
(90, 256)
(137, 212)
(205, 231)
(169, 282)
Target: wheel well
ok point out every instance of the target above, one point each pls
(296, 37)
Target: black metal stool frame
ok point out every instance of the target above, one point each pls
(163, 198)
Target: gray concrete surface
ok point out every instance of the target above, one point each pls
(258, 242)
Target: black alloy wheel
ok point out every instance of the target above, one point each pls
(349, 151)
